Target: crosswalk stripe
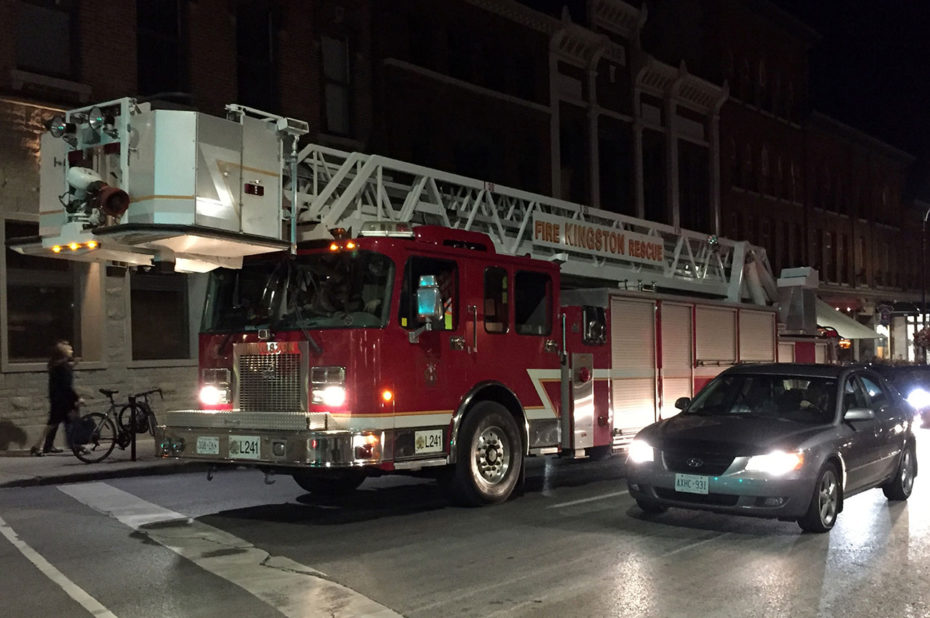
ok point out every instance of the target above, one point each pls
(288, 586)
(71, 589)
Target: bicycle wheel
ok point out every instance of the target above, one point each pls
(101, 441)
(141, 414)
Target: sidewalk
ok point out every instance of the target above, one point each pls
(20, 469)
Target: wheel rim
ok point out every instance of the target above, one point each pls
(827, 497)
(907, 476)
(491, 459)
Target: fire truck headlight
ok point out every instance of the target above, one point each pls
(211, 395)
(333, 396)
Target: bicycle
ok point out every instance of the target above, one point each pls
(96, 434)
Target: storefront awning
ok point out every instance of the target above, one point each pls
(846, 327)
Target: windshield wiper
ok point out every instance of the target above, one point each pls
(300, 320)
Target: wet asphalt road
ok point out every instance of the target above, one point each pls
(574, 545)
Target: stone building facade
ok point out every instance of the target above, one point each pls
(693, 115)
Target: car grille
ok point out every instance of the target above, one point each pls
(709, 499)
(708, 463)
(270, 383)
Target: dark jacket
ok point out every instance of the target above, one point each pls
(61, 395)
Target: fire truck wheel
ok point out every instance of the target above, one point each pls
(330, 483)
(490, 455)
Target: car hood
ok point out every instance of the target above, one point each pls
(732, 435)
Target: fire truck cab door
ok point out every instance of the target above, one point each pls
(435, 362)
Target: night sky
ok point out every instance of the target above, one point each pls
(871, 70)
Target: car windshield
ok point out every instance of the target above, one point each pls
(318, 291)
(791, 398)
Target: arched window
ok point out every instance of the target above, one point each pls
(779, 188)
(733, 158)
(761, 86)
(795, 181)
(749, 180)
(764, 185)
(745, 79)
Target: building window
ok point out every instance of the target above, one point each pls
(161, 50)
(159, 310)
(44, 37)
(44, 302)
(694, 212)
(256, 50)
(337, 85)
(735, 180)
(654, 174)
(765, 171)
(749, 180)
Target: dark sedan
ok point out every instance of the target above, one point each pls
(786, 441)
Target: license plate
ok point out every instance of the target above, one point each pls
(208, 445)
(429, 441)
(244, 447)
(691, 483)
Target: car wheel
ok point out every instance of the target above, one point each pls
(649, 507)
(489, 457)
(825, 502)
(902, 484)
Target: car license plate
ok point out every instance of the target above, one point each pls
(691, 483)
(208, 445)
(244, 447)
(429, 441)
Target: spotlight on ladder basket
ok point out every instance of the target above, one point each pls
(93, 197)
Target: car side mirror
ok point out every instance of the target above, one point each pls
(859, 414)
(429, 306)
(682, 402)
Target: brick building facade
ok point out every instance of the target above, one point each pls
(695, 116)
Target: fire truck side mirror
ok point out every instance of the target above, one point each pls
(429, 300)
(682, 402)
(429, 306)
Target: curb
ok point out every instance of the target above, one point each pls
(94, 475)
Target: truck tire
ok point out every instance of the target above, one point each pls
(329, 483)
(489, 456)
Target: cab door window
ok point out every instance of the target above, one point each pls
(496, 300)
(446, 273)
(532, 303)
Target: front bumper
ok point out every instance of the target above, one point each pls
(735, 491)
(279, 443)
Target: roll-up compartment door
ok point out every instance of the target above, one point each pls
(677, 366)
(785, 352)
(633, 366)
(756, 336)
(820, 352)
(715, 335)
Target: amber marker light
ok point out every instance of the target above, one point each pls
(387, 395)
(334, 247)
(92, 244)
(56, 249)
(74, 246)
(350, 245)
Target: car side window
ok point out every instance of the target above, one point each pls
(853, 395)
(877, 395)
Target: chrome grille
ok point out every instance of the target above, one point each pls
(271, 377)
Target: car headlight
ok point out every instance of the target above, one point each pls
(641, 452)
(919, 398)
(776, 463)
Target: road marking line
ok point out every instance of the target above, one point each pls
(290, 587)
(71, 589)
(583, 500)
(693, 545)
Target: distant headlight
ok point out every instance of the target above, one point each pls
(641, 452)
(776, 463)
(919, 398)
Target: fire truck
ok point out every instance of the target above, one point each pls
(367, 316)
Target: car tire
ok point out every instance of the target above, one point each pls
(489, 457)
(649, 507)
(825, 502)
(900, 487)
(329, 483)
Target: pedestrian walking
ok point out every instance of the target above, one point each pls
(63, 400)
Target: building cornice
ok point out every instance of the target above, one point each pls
(660, 79)
(520, 14)
(819, 120)
(617, 17)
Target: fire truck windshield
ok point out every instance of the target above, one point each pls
(316, 291)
